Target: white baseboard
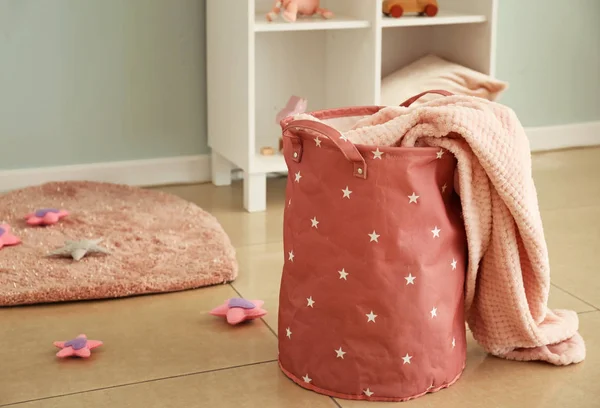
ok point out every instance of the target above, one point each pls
(170, 170)
(196, 169)
(563, 136)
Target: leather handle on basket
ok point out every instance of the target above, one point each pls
(346, 147)
(410, 101)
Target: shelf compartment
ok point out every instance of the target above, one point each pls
(444, 17)
(307, 23)
(269, 164)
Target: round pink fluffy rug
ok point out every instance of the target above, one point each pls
(157, 242)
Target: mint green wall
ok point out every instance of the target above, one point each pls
(549, 52)
(85, 81)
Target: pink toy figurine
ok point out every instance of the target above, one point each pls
(45, 216)
(6, 237)
(291, 8)
(238, 310)
(295, 106)
(78, 347)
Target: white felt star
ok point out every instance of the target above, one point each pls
(377, 154)
(343, 274)
(371, 317)
(410, 280)
(453, 342)
(436, 232)
(453, 264)
(340, 353)
(314, 222)
(368, 392)
(374, 236)
(433, 312)
(318, 141)
(298, 177)
(406, 359)
(440, 153)
(306, 379)
(291, 256)
(412, 198)
(79, 249)
(288, 333)
(346, 193)
(310, 301)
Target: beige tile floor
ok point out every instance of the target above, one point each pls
(165, 351)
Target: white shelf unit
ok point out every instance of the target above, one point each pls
(254, 66)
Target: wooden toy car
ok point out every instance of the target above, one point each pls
(396, 8)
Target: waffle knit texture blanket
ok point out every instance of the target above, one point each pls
(508, 276)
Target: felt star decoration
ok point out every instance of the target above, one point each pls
(45, 216)
(6, 237)
(79, 249)
(80, 346)
(237, 310)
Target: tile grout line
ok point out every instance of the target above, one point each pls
(576, 297)
(337, 404)
(263, 320)
(267, 242)
(138, 383)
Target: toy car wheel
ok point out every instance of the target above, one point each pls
(431, 10)
(396, 11)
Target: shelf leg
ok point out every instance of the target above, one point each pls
(255, 192)
(221, 170)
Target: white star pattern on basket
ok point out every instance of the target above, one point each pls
(343, 275)
(314, 222)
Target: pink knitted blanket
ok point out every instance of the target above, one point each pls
(508, 276)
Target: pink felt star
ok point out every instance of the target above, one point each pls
(45, 216)
(295, 106)
(79, 347)
(6, 237)
(238, 310)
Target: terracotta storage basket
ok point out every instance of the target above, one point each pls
(371, 301)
